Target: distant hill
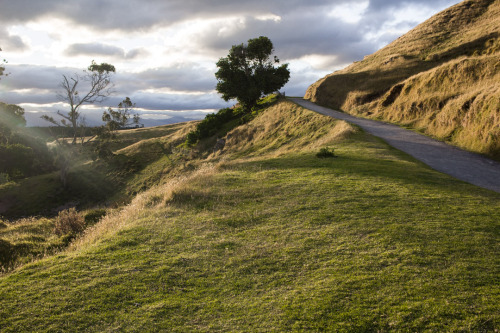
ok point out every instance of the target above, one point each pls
(442, 78)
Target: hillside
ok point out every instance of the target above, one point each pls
(442, 78)
(264, 236)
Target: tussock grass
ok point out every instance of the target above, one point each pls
(441, 78)
(283, 128)
(369, 241)
(26, 240)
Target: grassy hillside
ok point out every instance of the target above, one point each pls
(141, 157)
(266, 236)
(441, 78)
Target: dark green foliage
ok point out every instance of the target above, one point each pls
(93, 216)
(212, 123)
(247, 73)
(226, 119)
(5, 253)
(21, 153)
(11, 116)
(119, 118)
(16, 160)
(326, 152)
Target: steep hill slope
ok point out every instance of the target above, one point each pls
(442, 78)
(264, 236)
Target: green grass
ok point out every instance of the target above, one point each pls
(369, 241)
(27, 240)
(142, 157)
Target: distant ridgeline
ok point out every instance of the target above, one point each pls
(442, 78)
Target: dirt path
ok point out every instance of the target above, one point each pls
(463, 165)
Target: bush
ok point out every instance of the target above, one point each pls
(69, 222)
(93, 216)
(4, 178)
(326, 153)
(6, 254)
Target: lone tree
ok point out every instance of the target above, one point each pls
(248, 73)
(98, 86)
(121, 117)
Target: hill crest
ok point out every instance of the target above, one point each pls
(440, 78)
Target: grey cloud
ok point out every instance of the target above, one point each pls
(36, 77)
(136, 53)
(42, 85)
(179, 78)
(305, 27)
(103, 50)
(94, 49)
(10, 42)
(135, 14)
(130, 15)
(304, 32)
(383, 5)
(178, 101)
(295, 37)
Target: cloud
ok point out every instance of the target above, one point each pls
(99, 49)
(181, 87)
(295, 37)
(187, 77)
(131, 15)
(10, 42)
(384, 5)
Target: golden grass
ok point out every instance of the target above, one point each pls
(441, 77)
(284, 127)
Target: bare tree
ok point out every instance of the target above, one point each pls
(99, 85)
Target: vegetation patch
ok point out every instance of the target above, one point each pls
(326, 152)
(278, 240)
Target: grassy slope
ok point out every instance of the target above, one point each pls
(267, 237)
(134, 168)
(441, 78)
(144, 158)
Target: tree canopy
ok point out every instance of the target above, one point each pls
(121, 117)
(99, 87)
(248, 72)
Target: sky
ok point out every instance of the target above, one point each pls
(165, 51)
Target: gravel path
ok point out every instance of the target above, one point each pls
(463, 165)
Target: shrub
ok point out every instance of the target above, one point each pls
(4, 178)
(6, 255)
(325, 152)
(93, 216)
(69, 221)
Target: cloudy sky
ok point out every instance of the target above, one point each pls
(165, 50)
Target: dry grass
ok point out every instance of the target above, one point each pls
(69, 221)
(269, 132)
(283, 128)
(158, 196)
(441, 77)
